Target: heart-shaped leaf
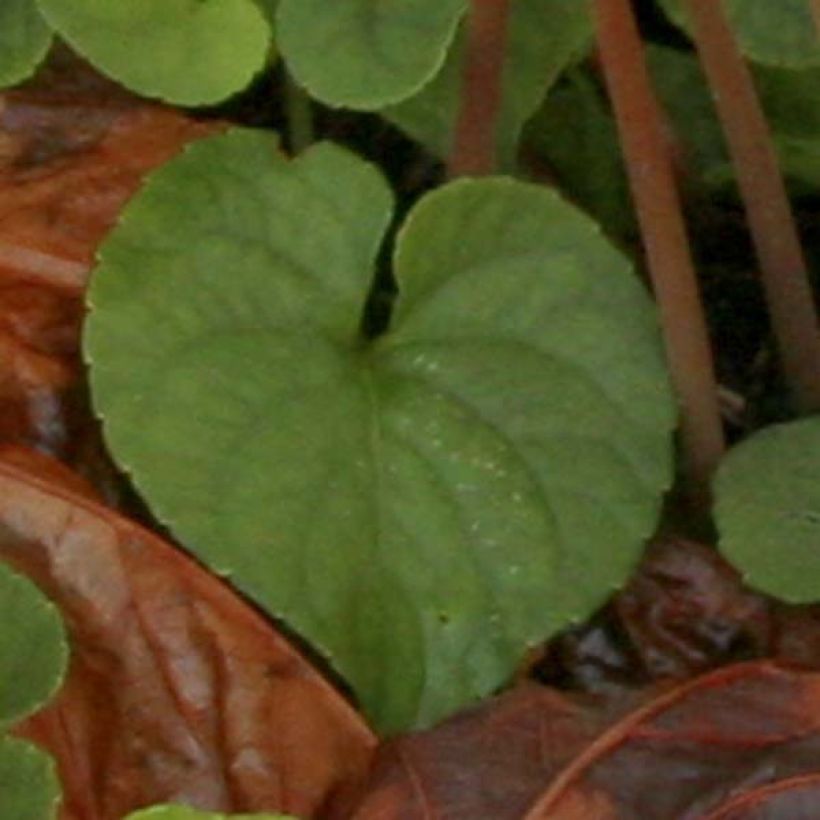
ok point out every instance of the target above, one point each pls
(421, 506)
(24, 40)
(33, 648)
(768, 509)
(188, 52)
(778, 33)
(544, 36)
(28, 783)
(365, 53)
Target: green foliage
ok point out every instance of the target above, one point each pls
(25, 38)
(575, 133)
(29, 789)
(768, 509)
(186, 813)
(365, 53)
(188, 52)
(32, 648)
(544, 36)
(420, 506)
(780, 33)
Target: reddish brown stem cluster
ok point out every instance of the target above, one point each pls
(474, 145)
(815, 11)
(782, 264)
(666, 244)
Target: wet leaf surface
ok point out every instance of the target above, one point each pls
(177, 691)
(745, 738)
(491, 761)
(695, 748)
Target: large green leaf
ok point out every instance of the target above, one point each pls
(768, 509)
(29, 789)
(423, 506)
(189, 52)
(365, 53)
(545, 35)
(25, 38)
(187, 813)
(777, 32)
(33, 647)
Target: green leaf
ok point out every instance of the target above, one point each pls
(791, 103)
(365, 53)
(29, 789)
(189, 52)
(423, 506)
(575, 134)
(187, 813)
(768, 509)
(25, 39)
(545, 36)
(33, 648)
(777, 33)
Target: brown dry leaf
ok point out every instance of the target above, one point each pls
(491, 761)
(745, 738)
(73, 149)
(704, 748)
(684, 611)
(177, 689)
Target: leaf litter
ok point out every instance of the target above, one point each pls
(178, 690)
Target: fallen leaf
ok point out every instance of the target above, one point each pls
(697, 749)
(488, 762)
(72, 151)
(177, 690)
(743, 738)
(684, 611)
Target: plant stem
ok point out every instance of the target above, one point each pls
(669, 260)
(815, 11)
(299, 113)
(782, 264)
(474, 143)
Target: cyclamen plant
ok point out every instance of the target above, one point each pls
(424, 504)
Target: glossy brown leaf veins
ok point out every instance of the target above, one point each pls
(693, 748)
(491, 761)
(177, 690)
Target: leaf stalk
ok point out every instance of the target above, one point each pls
(474, 149)
(774, 233)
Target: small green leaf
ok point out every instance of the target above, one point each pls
(29, 789)
(365, 53)
(768, 509)
(545, 35)
(189, 52)
(422, 506)
(33, 647)
(776, 32)
(25, 39)
(186, 813)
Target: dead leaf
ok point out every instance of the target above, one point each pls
(491, 761)
(73, 149)
(698, 748)
(177, 691)
(684, 611)
(743, 738)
